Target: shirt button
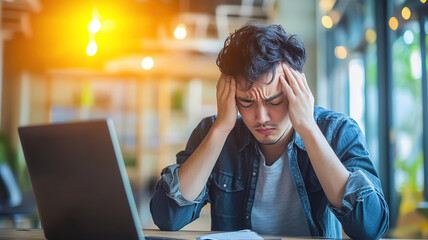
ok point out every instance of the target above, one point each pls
(224, 185)
(254, 173)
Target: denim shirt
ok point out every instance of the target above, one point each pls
(232, 183)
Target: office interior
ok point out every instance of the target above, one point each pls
(150, 67)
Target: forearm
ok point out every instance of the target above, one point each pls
(330, 171)
(194, 173)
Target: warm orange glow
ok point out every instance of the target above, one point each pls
(341, 52)
(371, 36)
(94, 26)
(92, 48)
(147, 63)
(393, 23)
(327, 22)
(180, 32)
(406, 13)
(423, 1)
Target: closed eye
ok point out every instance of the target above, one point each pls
(275, 100)
(246, 104)
(275, 103)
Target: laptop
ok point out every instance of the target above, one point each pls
(80, 181)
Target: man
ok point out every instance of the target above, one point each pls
(283, 167)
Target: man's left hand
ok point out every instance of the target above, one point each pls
(300, 98)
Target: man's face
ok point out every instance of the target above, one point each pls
(264, 108)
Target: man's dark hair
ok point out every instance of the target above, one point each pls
(255, 49)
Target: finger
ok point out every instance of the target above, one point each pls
(292, 82)
(232, 90)
(306, 83)
(219, 82)
(226, 89)
(299, 78)
(288, 90)
(222, 87)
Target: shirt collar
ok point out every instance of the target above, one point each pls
(244, 134)
(298, 141)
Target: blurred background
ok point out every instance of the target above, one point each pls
(150, 66)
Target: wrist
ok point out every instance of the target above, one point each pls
(220, 130)
(309, 129)
(224, 125)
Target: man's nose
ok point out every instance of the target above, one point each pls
(262, 114)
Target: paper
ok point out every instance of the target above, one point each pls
(236, 235)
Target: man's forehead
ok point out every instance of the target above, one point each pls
(270, 87)
(264, 80)
(265, 91)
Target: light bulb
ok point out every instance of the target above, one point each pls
(180, 31)
(92, 48)
(147, 63)
(94, 25)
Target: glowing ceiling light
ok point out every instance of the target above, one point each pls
(147, 63)
(94, 26)
(341, 52)
(92, 48)
(370, 36)
(393, 23)
(406, 13)
(327, 22)
(180, 32)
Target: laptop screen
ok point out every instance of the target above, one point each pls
(80, 181)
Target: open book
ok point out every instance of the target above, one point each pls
(236, 235)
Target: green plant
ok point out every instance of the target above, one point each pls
(409, 189)
(7, 153)
(410, 168)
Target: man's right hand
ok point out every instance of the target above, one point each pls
(227, 111)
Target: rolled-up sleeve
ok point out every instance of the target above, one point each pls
(357, 189)
(171, 185)
(364, 213)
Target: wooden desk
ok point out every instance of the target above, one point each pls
(37, 234)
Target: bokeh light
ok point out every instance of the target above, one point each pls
(94, 25)
(327, 22)
(180, 32)
(393, 23)
(147, 63)
(92, 48)
(371, 36)
(406, 13)
(341, 52)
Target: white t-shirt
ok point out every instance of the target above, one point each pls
(277, 209)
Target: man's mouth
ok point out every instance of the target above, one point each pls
(265, 131)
